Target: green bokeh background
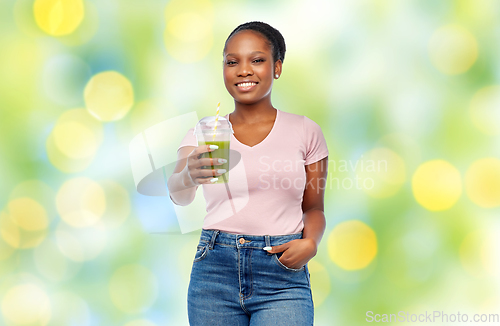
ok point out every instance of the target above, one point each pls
(363, 70)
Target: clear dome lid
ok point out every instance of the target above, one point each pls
(207, 125)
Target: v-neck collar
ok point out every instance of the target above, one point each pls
(264, 140)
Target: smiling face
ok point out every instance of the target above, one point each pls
(249, 69)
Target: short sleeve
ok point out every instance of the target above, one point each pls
(189, 139)
(316, 148)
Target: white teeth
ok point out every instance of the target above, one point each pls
(246, 84)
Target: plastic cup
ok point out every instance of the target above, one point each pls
(204, 132)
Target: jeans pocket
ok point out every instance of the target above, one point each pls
(280, 264)
(308, 275)
(201, 252)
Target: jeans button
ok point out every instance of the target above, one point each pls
(242, 240)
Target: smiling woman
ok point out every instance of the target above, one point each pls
(250, 266)
(251, 64)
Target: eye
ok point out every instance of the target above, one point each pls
(259, 60)
(230, 63)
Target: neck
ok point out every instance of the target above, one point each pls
(253, 113)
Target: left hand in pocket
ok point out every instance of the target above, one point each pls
(296, 253)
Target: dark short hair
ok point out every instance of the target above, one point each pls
(273, 36)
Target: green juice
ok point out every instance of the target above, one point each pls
(221, 152)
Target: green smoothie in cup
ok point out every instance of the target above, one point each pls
(206, 135)
(221, 152)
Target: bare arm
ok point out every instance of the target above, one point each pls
(313, 202)
(299, 251)
(182, 190)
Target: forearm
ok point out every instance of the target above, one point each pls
(314, 225)
(182, 190)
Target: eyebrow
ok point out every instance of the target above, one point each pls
(254, 52)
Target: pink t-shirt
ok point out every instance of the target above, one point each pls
(265, 189)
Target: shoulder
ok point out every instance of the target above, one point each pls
(291, 117)
(310, 125)
(303, 121)
(299, 123)
(296, 118)
(292, 120)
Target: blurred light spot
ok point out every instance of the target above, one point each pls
(144, 115)
(64, 78)
(485, 110)
(75, 140)
(187, 27)
(188, 34)
(140, 322)
(320, 282)
(479, 13)
(73, 143)
(482, 182)
(352, 245)
(81, 202)
(81, 244)
(69, 309)
(9, 230)
(109, 96)
(437, 185)
(15, 227)
(490, 253)
(5, 249)
(25, 21)
(453, 49)
(52, 264)
(86, 30)
(117, 204)
(477, 254)
(28, 214)
(58, 17)
(133, 288)
(382, 172)
(26, 304)
(38, 191)
(63, 162)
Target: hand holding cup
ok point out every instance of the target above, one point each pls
(201, 169)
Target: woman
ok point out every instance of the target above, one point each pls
(251, 267)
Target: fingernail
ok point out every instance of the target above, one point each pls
(222, 160)
(221, 171)
(214, 146)
(214, 180)
(267, 248)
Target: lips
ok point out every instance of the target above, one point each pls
(246, 85)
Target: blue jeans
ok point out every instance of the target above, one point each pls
(235, 282)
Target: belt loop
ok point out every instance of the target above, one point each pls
(212, 241)
(268, 242)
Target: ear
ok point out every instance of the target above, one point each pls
(278, 65)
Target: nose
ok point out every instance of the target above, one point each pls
(245, 70)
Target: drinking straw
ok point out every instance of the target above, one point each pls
(216, 119)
